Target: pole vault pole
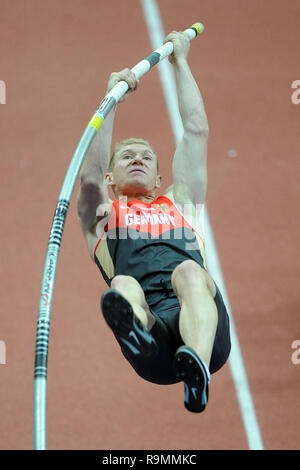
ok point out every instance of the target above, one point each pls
(54, 242)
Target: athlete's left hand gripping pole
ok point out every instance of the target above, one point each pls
(43, 322)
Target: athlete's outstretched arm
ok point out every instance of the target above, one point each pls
(189, 164)
(93, 188)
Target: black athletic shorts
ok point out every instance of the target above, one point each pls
(159, 369)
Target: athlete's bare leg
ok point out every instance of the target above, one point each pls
(132, 291)
(198, 317)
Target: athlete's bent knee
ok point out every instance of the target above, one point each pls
(189, 274)
(188, 271)
(121, 281)
(130, 288)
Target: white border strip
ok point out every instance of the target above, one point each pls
(238, 372)
(155, 29)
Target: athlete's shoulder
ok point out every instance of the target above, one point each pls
(194, 215)
(167, 198)
(169, 194)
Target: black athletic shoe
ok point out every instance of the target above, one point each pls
(189, 367)
(120, 317)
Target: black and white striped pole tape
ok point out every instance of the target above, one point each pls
(54, 242)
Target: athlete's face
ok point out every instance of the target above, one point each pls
(135, 169)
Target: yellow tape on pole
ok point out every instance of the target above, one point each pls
(96, 122)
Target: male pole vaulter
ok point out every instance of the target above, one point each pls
(163, 307)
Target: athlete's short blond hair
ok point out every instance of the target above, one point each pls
(123, 143)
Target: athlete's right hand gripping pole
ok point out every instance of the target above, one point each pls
(54, 242)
